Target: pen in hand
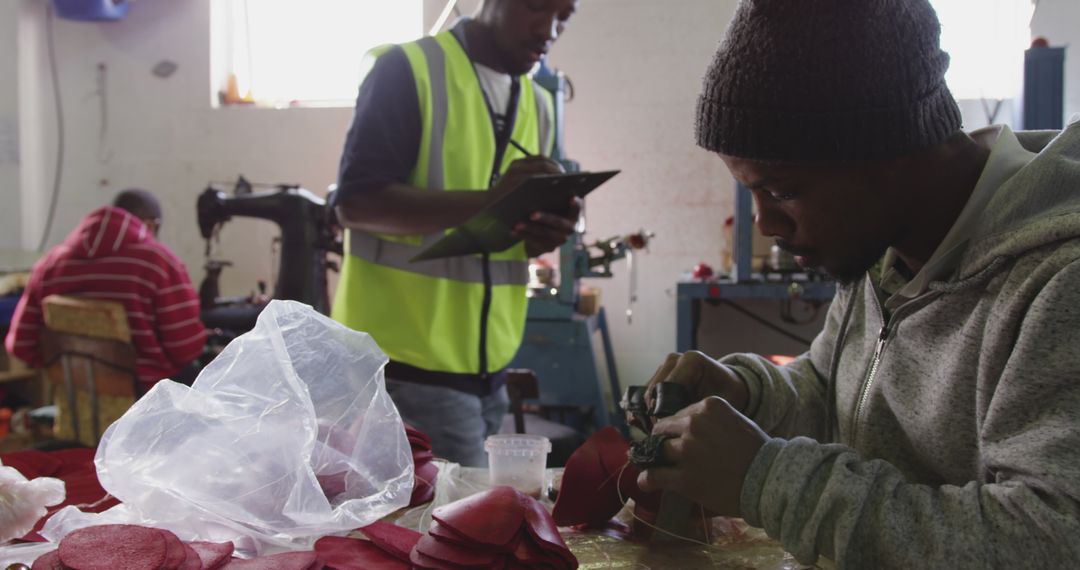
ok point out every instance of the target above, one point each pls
(518, 146)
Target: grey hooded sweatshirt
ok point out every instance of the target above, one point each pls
(955, 417)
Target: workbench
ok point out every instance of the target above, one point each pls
(734, 546)
(690, 294)
(739, 548)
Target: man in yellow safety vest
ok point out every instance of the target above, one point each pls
(439, 131)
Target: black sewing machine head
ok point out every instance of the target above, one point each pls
(306, 234)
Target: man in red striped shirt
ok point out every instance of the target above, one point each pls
(114, 255)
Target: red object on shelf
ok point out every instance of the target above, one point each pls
(637, 241)
(1040, 42)
(702, 271)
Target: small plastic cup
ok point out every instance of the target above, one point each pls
(518, 460)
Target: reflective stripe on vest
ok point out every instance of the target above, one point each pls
(436, 61)
(467, 268)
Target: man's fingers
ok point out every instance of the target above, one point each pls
(673, 450)
(665, 369)
(689, 371)
(576, 204)
(661, 374)
(659, 478)
(541, 234)
(558, 222)
(673, 425)
(535, 165)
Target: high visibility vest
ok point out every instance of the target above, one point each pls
(430, 315)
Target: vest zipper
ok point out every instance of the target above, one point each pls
(502, 139)
(485, 309)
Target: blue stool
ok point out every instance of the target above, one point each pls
(7, 309)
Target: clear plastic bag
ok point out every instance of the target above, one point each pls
(23, 502)
(287, 436)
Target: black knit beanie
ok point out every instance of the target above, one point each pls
(827, 81)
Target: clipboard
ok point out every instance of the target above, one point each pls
(490, 230)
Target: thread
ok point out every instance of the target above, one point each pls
(654, 527)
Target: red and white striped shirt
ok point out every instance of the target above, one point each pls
(112, 256)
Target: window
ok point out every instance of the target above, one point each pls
(286, 53)
(986, 40)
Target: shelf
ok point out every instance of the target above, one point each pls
(690, 295)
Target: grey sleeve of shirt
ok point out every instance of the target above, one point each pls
(1022, 512)
(792, 400)
(384, 139)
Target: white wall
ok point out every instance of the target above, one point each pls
(162, 134)
(9, 119)
(1059, 22)
(636, 66)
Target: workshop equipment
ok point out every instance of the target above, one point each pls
(307, 235)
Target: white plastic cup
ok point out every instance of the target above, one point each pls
(518, 460)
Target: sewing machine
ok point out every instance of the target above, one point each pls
(307, 235)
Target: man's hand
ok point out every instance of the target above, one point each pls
(543, 231)
(546, 231)
(712, 449)
(522, 169)
(702, 376)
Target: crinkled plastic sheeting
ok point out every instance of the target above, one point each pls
(287, 436)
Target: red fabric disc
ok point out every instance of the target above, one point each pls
(108, 547)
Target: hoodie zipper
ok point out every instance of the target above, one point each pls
(879, 351)
(875, 362)
(883, 337)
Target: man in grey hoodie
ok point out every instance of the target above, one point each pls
(935, 421)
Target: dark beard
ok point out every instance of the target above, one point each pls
(850, 272)
(857, 268)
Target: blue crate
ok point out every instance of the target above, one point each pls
(7, 308)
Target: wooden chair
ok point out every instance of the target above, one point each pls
(90, 365)
(521, 385)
